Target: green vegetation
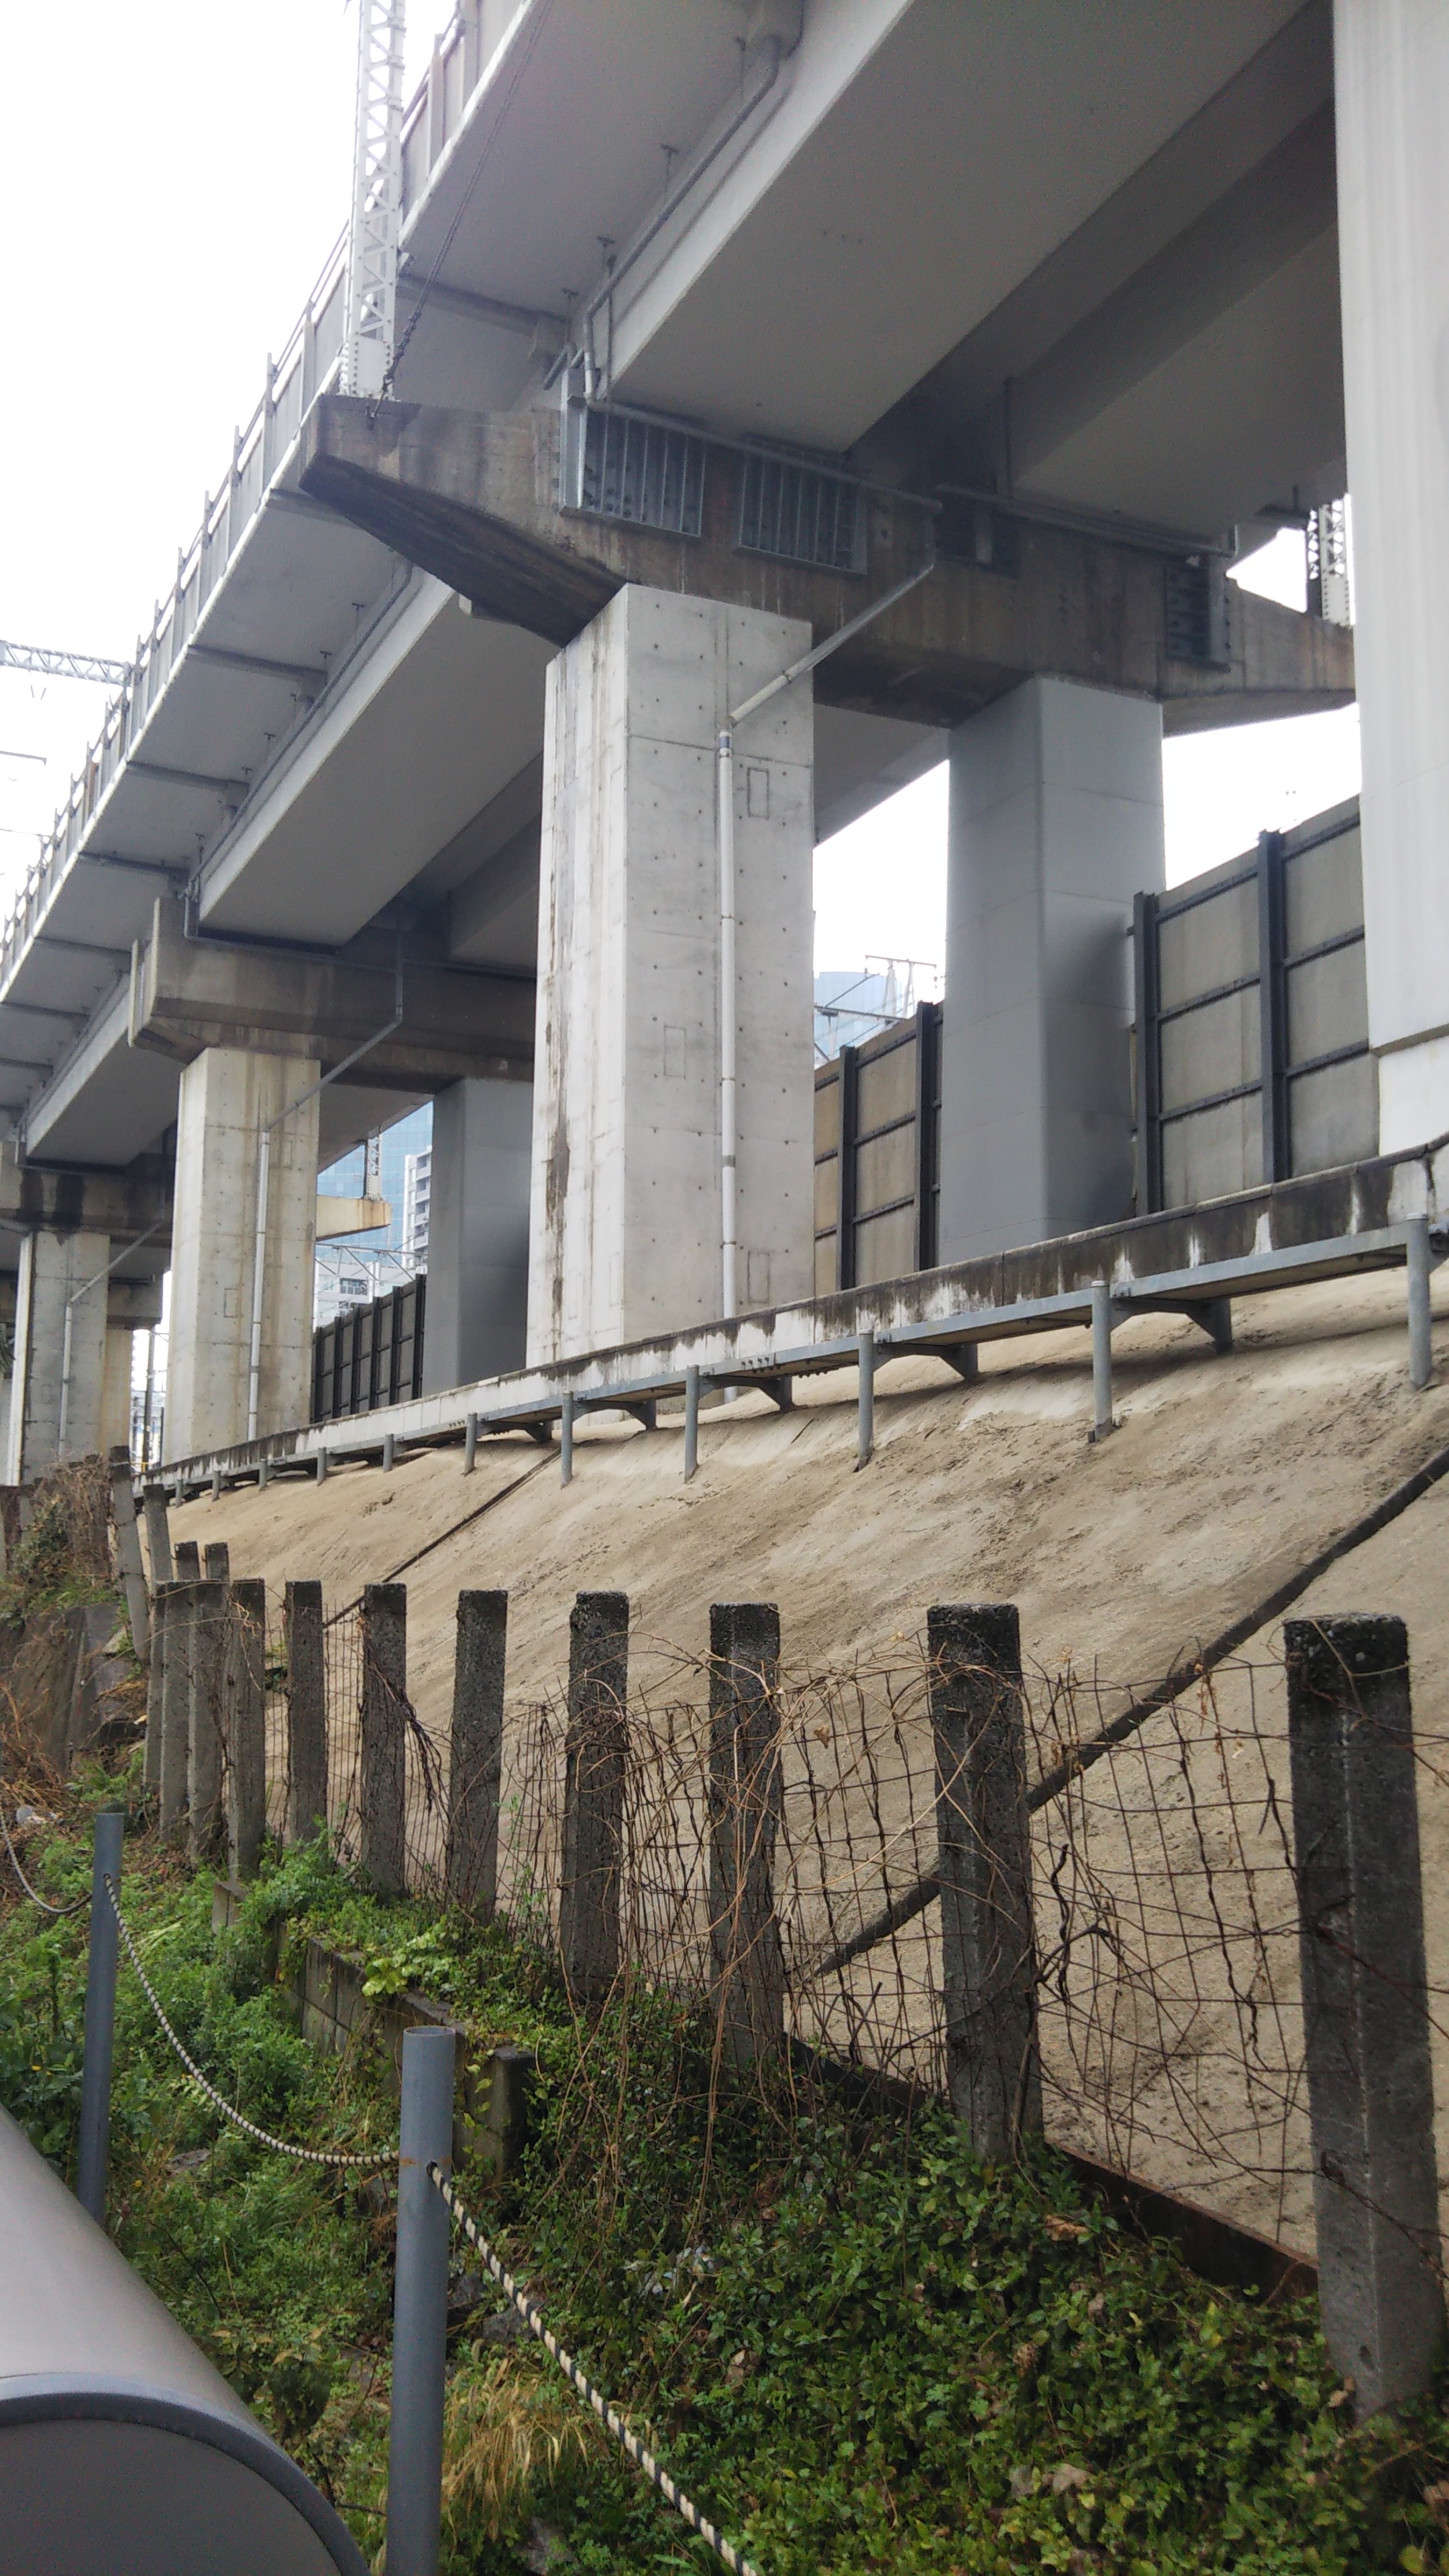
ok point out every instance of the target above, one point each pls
(851, 2344)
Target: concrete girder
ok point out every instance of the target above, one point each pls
(66, 1200)
(188, 995)
(472, 498)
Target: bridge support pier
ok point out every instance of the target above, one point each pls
(478, 1232)
(626, 1229)
(58, 1384)
(1056, 822)
(229, 1098)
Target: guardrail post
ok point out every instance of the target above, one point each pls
(246, 1726)
(593, 1822)
(158, 1534)
(306, 1711)
(865, 1424)
(566, 1440)
(128, 1552)
(321, 1466)
(988, 1945)
(1417, 1260)
(100, 2026)
(420, 2307)
(389, 1451)
(156, 1689)
(691, 1422)
(1102, 1421)
(205, 1741)
(1365, 2002)
(384, 1736)
(475, 1760)
(745, 1796)
(176, 1709)
(470, 1444)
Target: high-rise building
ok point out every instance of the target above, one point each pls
(416, 1207)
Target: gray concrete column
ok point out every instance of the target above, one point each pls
(477, 1306)
(1056, 822)
(228, 1097)
(626, 1225)
(1391, 100)
(58, 1372)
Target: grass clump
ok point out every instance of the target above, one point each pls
(856, 2347)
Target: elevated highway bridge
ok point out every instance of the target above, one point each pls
(714, 326)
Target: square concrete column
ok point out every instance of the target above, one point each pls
(477, 1311)
(626, 1226)
(227, 1098)
(1391, 99)
(58, 1380)
(1055, 823)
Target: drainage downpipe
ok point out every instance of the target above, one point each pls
(603, 295)
(264, 1167)
(725, 770)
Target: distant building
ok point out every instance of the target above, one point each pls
(416, 1207)
(353, 1268)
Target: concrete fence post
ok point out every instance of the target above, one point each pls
(1365, 2002)
(745, 1800)
(176, 1709)
(156, 1689)
(246, 1727)
(128, 1552)
(205, 1723)
(100, 2025)
(306, 1711)
(475, 1759)
(217, 1562)
(865, 1403)
(188, 1561)
(593, 1823)
(420, 2307)
(1418, 1258)
(988, 1937)
(691, 1422)
(158, 1534)
(1102, 1421)
(384, 1736)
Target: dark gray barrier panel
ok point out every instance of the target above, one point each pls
(121, 2449)
(1365, 2002)
(593, 1826)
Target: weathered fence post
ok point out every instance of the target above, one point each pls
(128, 1551)
(420, 2307)
(204, 1768)
(745, 1798)
(988, 1944)
(383, 1797)
(176, 1708)
(156, 1688)
(306, 1712)
(188, 1561)
(593, 1826)
(158, 1534)
(218, 1561)
(100, 2024)
(246, 1727)
(1365, 2002)
(475, 1760)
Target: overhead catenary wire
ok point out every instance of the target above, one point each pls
(612, 2422)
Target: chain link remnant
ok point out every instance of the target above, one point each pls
(43, 1902)
(279, 2146)
(642, 2459)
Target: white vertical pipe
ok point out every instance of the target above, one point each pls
(259, 1274)
(728, 1014)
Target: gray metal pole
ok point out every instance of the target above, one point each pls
(566, 1441)
(95, 2109)
(691, 1422)
(1421, 1347)
(865, 1429)
(321, 1466)
(1102, 1421)
(389, 1452)
(420, 2307)
(470, 1444)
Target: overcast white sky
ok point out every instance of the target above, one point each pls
(174, 176)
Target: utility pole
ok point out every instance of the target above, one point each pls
(372, 246)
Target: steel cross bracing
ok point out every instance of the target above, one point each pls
(64, 666)
(377, 189)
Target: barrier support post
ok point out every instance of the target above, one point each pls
(100, 2025)
(420, 2307)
